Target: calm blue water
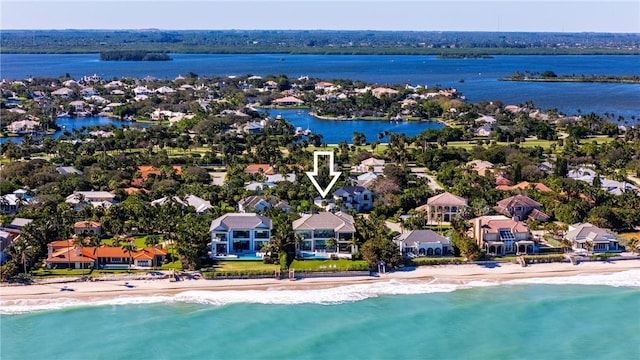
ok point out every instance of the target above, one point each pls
(334, 131)
(299, 118)
(530, 321)
(71, 124)
(479, 75)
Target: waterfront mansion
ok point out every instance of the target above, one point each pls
(239, 233)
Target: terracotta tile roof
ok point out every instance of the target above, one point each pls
(59, 244)
(255, 168)
(145, 171)
(133, 190)
(446, 199)
(492, 225)
(501, 180)
(523, 185)
(538, 215)
(70, 254)
(87, 224)
(518, 200)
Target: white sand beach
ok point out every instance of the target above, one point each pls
(449, 274)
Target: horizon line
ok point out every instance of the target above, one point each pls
(337, 30)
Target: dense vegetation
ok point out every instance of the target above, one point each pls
(132, 55)
(550, 76)
(316, 42)
(207, 143)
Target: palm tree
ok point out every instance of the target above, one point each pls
(589, 245)
(332, 243)
(22, 250)
(78, 244)
(354, 244)
(153, 241)
(566, 244)
(129, 246)
(633, 245)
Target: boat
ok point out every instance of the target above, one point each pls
(307, 132)
(63, 115)
(299, 131)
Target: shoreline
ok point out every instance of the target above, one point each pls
(454, 275)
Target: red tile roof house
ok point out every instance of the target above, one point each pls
(87, 228)
(443, 207)
(63, 254)
(521, 207)
(265, 169)
(525, 185)
(288, 101)
(500, 235)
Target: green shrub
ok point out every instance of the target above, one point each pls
(426, 261)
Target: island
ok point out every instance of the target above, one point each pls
(550, 76)
(133, 55)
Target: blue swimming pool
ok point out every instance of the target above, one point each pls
(314, 256)
(240, 257)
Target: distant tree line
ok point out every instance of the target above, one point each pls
(316, 42)
(133, 55)
(550, 76)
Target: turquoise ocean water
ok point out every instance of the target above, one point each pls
(582, 317)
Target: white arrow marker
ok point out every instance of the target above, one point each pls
(312, 174)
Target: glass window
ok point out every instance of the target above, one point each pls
(262, 234)
(258, 245)
(305, 245)
(220, 236)
(241, 245)
(324, 234)
(241, 234)
(304, 233)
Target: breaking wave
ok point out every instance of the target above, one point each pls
(326, 296)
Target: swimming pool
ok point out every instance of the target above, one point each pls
(313, 256)
(247, 257)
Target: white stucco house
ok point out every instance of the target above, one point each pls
(581, 234)
(315, 230)
(239, 233)
(422, 243)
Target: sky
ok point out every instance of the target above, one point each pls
(419, 15)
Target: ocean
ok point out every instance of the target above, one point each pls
(578, 317)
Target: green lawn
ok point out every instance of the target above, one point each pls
(241, 265)
(329, 265)
(139, 241)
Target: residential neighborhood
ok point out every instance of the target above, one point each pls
(215, 177)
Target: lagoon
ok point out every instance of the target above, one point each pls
(335, 131)
(71, 123)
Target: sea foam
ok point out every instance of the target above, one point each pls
(628, 278)
(326, 296)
